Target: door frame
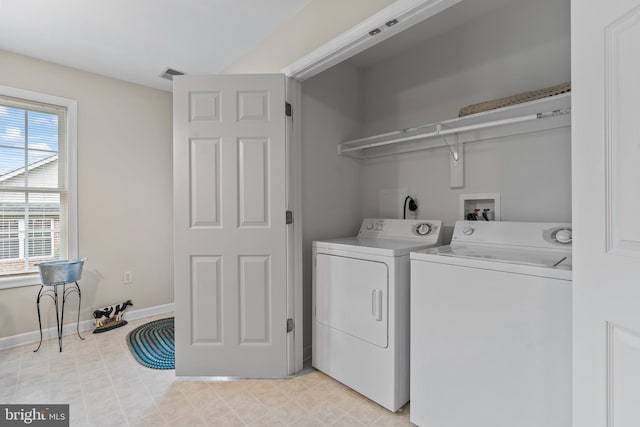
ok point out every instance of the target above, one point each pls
(293, 141)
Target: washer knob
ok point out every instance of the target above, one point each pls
(424, 229)
(564, 236)
(467, 231)
(378, 227)
(369, 226)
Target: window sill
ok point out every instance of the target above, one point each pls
(19, 281)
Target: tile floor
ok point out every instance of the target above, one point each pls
(105, 386)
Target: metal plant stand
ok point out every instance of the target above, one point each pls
(52, 275)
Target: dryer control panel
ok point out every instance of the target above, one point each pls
(426, 229)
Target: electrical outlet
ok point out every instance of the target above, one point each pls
(127, 277)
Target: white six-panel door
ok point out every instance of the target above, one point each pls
(606, 204)
(229, 225)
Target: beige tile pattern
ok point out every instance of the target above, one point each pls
(105, 386)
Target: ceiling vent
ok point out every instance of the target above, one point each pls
(170, 72)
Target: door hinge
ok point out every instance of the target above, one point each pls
(287, 109)
(289, 217)
(290, 325)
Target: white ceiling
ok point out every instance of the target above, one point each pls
(136, 40)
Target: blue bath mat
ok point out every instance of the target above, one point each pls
(153, 344)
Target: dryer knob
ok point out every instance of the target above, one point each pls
(467, 231)
(369, 226)
(424, 229)
(378, 227)
(564, 236)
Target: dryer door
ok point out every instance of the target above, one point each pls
(352, 297)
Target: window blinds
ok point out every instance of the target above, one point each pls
(33, 185)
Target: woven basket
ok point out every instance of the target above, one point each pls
(515, 99)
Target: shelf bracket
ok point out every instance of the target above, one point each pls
(456, 164)
(456, 158)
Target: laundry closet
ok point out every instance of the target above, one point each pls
(474, 51)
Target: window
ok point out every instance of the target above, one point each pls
(37, 182)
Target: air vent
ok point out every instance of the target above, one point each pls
(170, 72)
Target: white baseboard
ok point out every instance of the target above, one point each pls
(85, 325)
(149, 311)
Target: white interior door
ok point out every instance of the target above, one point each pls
(606, 201)
(230, 277)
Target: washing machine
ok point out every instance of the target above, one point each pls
(361, 306)
(491, 327)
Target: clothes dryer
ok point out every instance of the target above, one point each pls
(361, 306)
(491, 327)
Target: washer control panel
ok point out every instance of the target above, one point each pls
(400, 228)
(523, 234)
(467, 230)
(562, 235)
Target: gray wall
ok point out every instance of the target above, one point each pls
(331, 184)
(523, 46)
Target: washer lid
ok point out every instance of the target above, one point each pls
(532, 262)
(374, 246)
(520, 256)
